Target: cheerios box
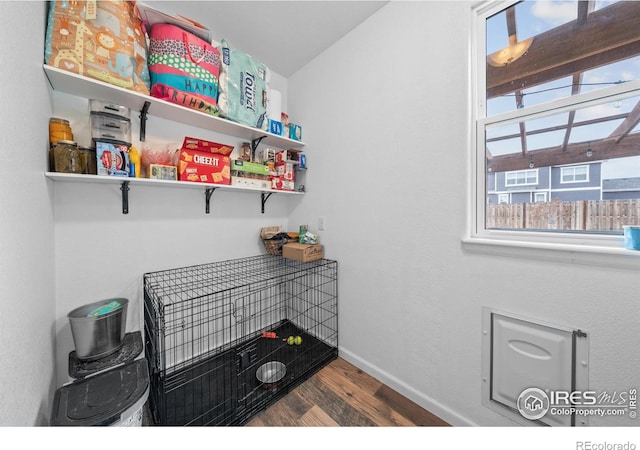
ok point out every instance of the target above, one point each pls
(204, 167)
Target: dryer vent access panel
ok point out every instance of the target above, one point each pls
(524, 360)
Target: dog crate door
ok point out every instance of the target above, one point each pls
(526, 354)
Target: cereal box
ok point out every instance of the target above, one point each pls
(204, 167)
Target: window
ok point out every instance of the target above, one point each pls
(574, 174)
(503, 199)
(539, 197)
(521, 177)
(556, 110)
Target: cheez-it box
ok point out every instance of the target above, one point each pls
(204, 167)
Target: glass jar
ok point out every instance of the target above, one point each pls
(59, 129)
(64, 156)
(88, 160)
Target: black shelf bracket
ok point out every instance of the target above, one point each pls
(254, 147)
(265, 197)
(124, 187)
(143, 120)
(207, 194)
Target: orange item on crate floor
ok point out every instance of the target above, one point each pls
(269, 335)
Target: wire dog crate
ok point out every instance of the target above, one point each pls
(209, 329)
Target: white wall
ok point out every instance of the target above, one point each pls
(27, 299)
(388, 145)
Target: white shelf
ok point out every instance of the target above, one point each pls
(125, 182)
(103, 179)
(71, 83)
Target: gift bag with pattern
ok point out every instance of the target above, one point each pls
(184, 68)
(103, 40)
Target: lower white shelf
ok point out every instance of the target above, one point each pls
(124, 183)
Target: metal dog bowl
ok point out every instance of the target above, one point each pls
(270, 373)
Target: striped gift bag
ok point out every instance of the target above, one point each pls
(184, 69)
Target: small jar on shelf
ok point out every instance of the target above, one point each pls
(64, 156)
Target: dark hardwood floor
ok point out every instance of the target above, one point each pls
(341, 395)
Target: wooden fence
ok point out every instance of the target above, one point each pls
(591, 215)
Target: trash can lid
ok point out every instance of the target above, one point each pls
(131, 348)
(101, 399)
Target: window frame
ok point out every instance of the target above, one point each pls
(543, 194)
(526, 177)
(583, 248)
(573, 168)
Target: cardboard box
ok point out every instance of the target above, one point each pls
(285, 171)
(249, 167)
(112, 158)
(303, 252)
(295, 132)
(266, 155)
(280, 184)
(206, 146)
(251, 183)
(275, 127)
(162, 172)
(290, 155)
(204, 167)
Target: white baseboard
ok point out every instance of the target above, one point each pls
(446, 414)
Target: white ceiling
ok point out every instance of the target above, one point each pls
(283, 35)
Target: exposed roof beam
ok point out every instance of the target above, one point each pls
(574, 154)
(575, 89)
(561, 127)
(584, 9)
(629, 124)
(609, 35)
(513, 40)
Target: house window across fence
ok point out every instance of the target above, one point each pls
(574, 174)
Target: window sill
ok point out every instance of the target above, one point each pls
(591, 255)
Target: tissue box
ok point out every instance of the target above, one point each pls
(303, 252)
(204, 167)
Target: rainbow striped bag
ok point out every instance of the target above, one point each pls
(184, 69)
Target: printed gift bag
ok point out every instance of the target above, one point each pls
(103, 40)
(184, 68)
